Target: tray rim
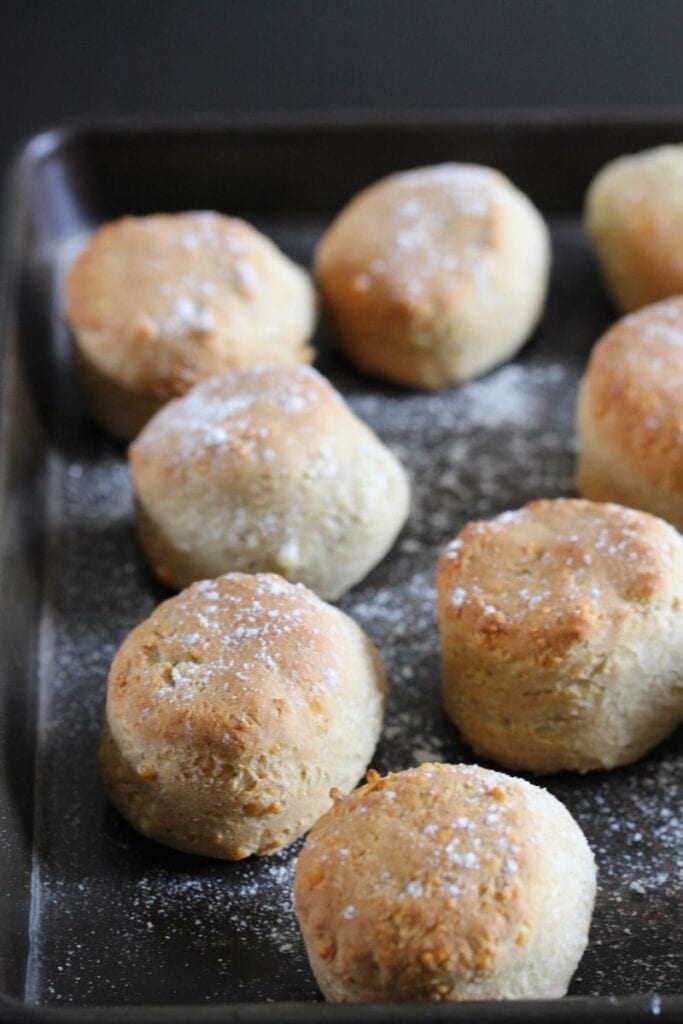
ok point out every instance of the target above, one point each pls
(50, 139)
(568, 1010)
(631, 1009)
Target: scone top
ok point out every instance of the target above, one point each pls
(417, 844)
(427, 882)
(228, 661)
(417, 235)
(266, 469)
(633, 390)
(263, 414)
(162, 301)
(534, 582)
(432, 276)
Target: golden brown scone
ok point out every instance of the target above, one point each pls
(630, 414)
(634, 217)
(562, 635)
(445, 882)
(159, 303)
(435, 275)
(266, 470)
(233, 709)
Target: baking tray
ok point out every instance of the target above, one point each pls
(99, 924)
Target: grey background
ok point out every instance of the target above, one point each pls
(68, 59)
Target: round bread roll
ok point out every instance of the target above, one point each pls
(562, 635)
(630, 414)
(266, 470)
(233, 709)
(634, 217)
(445, 882)
(159, 303)
(435, 275)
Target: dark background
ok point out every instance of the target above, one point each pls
(75, 58)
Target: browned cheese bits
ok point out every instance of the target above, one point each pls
(445, 882)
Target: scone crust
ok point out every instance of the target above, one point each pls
(266, 470)
(630, 413)
(634, 217)
(158, 303)
(445, 882)
(433, 276)
(562, 634)
(233, 710)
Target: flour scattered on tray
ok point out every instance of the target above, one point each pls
(106, 899)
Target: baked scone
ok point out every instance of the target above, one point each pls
(562, 635)
(159, 303)
(266, 470)
(435, 275)
(445, 882)
(231, 712)
(634, 217)
(630, 414)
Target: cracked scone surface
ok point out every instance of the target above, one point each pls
(159, 303)
(445, 882)
(434, 275)
(233, 710)
(630, 414)
(266, 470)
(562, 635)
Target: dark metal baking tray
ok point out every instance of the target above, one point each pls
(99, 924)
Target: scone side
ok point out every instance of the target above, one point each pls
(634, 226)
(607, 473)
(118, 410)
